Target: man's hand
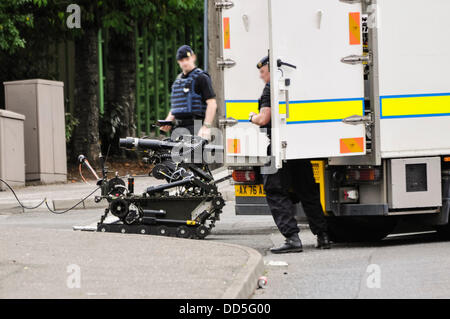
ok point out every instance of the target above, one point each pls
(205, 133)
(250, 115)
(165, 128)
(262, 118)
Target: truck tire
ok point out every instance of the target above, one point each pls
(443, 232)
(359, 229)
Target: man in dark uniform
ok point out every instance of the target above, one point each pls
(289, 185)
(193, 102)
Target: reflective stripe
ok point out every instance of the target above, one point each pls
(240, 109)
(421, 105)
(301, 111)
(322, 110)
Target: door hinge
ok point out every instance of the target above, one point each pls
(357, 119)
(225, 63)
(223, 5)
(357, 59)
(283, 150)
(228, 122)
(351, 1)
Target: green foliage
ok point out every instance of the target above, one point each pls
(112, 126)
(111, 122)
(31, 29)
(71, 123)
(122, 15)
(15, 14)
(28, 49)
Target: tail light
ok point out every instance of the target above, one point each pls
(242, 176)
(363, 175)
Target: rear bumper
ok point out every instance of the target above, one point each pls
(258, 206)
(251, 206)
(363, 210)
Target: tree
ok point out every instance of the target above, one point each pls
(119, 21)
(15, 14)
(86, 135)
(28, 27)
(121, 18)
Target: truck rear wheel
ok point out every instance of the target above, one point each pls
(443, 231)
(359, 229)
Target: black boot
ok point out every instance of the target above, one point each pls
(293, 244)
(323, 241)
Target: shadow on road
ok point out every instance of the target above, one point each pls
(398, 240)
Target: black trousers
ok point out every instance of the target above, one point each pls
(289, 185)
(189, 124)
(190, 128)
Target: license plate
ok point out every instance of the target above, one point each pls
(249, 190)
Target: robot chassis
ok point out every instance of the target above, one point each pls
(186, 207)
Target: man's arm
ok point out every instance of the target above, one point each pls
(170, 117)
(203, 86)
(263, 117)
(211, 109)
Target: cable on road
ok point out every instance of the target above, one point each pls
(45, 201)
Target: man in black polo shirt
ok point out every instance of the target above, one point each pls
(193, 102)
(289, 185)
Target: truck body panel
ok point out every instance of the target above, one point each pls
(370, 96)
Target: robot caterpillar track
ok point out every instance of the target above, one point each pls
(186, 207)
(136, 219)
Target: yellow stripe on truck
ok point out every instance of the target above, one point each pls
(323, 111)
(415, 105)
(302, 111)
(240, 110)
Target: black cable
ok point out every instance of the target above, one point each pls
(65, 211)
(21, 205)
(45, 200)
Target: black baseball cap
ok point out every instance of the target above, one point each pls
(184, 51)
(262, 62)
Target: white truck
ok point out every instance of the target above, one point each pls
(368, 103)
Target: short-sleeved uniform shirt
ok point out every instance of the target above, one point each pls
(203, 87)
(264, 101)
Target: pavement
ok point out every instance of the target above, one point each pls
(42, 257)
(42, 263)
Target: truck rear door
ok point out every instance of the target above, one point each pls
(245, 40)
(310, 102)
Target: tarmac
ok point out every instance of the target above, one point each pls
(46, 262)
